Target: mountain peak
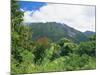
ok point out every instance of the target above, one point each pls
(56, 31)
(89, 33)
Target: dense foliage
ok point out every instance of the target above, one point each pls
(44, 55)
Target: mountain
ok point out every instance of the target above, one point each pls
(89, 33)
(56, 31)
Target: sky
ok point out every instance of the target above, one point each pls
(79, 17)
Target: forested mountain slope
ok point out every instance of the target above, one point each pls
(56, 31)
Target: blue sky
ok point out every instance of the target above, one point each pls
(29, 6)
(79, 17)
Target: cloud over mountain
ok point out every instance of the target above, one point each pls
(79, 17)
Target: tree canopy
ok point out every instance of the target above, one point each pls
(44, 55)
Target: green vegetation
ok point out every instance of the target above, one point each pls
(44, 55)
(56, 31)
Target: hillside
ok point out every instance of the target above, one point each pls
(56, 31)
(89, 33)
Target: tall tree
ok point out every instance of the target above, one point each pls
(16, 15)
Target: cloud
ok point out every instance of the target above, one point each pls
(79, 17)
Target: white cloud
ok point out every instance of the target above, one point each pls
(79, 17)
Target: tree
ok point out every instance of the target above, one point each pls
(42, 55)
(67, 46)
(87, 48)
(16, 15)
(51, 53)
(20, 38)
